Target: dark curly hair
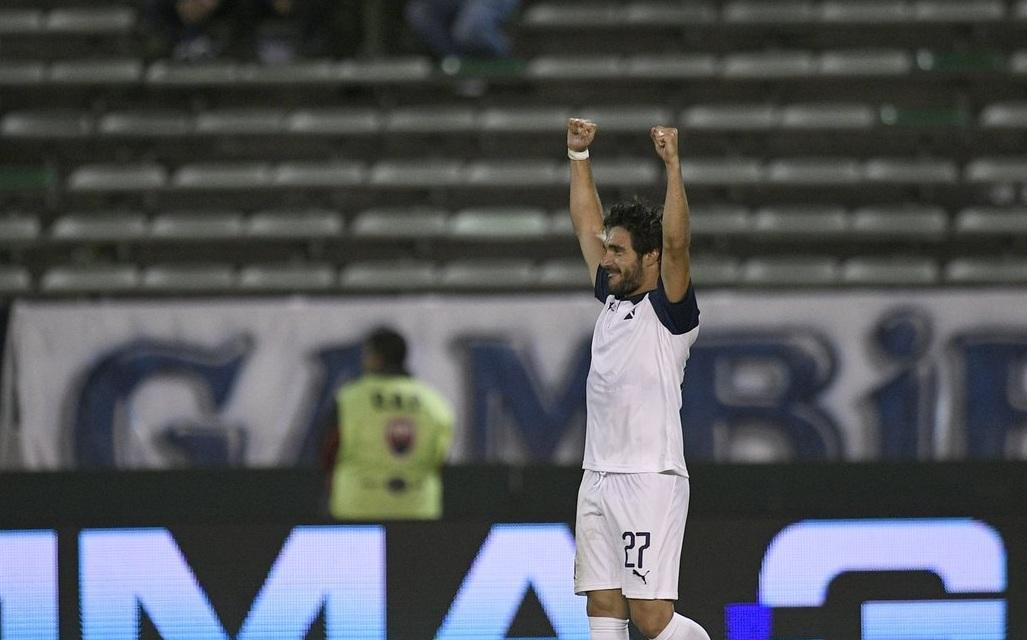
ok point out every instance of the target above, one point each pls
(642, 220)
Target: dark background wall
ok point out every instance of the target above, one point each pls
(230, 527)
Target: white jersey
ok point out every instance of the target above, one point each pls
(633, 395)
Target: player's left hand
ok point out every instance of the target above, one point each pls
(665, 139)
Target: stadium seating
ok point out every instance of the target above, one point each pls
(825, 143)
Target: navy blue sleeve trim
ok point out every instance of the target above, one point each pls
(679, 317)
(602, 288)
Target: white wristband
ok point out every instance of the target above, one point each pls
(577, 155)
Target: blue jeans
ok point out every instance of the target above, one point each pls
(462, 27)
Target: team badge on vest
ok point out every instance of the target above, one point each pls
(400, 435)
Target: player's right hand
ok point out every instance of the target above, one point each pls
(580, 134)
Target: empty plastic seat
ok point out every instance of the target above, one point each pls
(917, 222)
(1011, 115)
(1018, 62)
(890, 271)
(327, 175)
(761, 11)
(223, 176)
(117, 71)
(90, 279)
(288, 277)
(570, 16)
(660, 13)
(100, 226)
(190, 277)
(715, 271)
(828, 116)
(959, 10)
(430, 119)
(769, 64)
(419, 173)
(596, 67)
(46, 124)
(973, 62)
(197, 225)
(499, 223)
(145, 123)
(304, 223)
(117, 177)
(986, 271)
(718, 220)
(385, 70)
(334, 121)
(524, 119)
(731, 116)
(625, 172)
(21, 72)
(922, 171)
(90, 20)
(672, 66)
(14, 279)
(716, 171)
(812, 171)
(943, 116)
(176, 74)
(992, 220)
(26, 178)
(631, 119)
(487, 274)
(788, 271)
(560, 223)
(997, 170)
(389, 275)
(565, 273)
(241, 121)
(19, 228)
(866, 11)
(412, 222)
(305, 72)
(866, 63)
(801, 220)
(20, 21)
(515, 173)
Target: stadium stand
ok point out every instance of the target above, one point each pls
(826, 143)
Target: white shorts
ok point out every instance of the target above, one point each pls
(628, 531)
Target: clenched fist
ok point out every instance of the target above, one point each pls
(580, 134)
(665, 139)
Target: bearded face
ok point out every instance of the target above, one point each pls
(626, 272)
(625, 279)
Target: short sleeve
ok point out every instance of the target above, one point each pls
(679, 317)
(602, 287)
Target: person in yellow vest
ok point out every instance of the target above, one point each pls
(393, 435)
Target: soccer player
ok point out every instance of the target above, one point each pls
(633, 498)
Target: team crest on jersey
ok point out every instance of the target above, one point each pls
(400, 435)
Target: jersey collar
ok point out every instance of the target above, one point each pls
(635, 299)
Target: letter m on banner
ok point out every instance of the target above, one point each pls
(504, 389)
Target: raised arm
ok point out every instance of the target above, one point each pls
(675, 265)
(586, 210)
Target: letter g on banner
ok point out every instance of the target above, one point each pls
(116, 376)
(968, 556)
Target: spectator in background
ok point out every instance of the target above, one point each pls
(186, 27)
(462, 28)
(392, 437)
